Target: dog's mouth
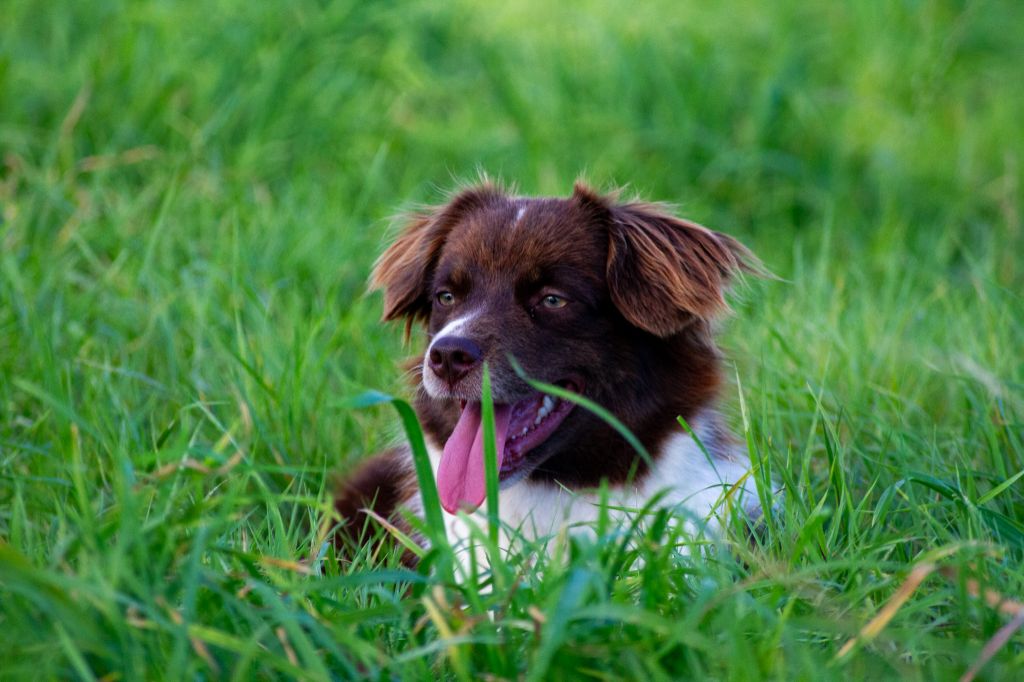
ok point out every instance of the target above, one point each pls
(518, 428)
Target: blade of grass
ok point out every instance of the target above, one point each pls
(490, 461)
(999, 489)
(758, 464)
(424, 473)
(917, 575)
(992, 647)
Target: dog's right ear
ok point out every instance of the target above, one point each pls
(401, 271)
(405, 270)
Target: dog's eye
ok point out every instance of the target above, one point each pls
(445, 298)
(553, 301)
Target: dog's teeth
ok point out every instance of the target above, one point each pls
(546, 406)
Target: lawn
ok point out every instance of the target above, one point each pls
(192, 195)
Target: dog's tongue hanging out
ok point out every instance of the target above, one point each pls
(460, 476)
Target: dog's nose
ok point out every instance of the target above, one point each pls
(453, 357)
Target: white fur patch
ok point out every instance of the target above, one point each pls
(693, 483)
(456, 327)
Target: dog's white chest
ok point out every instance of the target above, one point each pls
(689, 481)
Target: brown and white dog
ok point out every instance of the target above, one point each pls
(614, 301)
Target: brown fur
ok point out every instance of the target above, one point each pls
(380, 484)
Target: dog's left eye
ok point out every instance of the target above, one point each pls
(445, 298)
(553, 301)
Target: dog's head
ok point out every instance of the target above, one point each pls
(586, 293)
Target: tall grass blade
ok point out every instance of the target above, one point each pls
(490, 460)
(424, 474)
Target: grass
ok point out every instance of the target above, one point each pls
(192, 195)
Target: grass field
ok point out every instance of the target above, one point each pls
(192, 194)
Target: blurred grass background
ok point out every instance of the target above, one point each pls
(191, 197)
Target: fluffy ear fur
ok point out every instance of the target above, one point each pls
(401, 271)
(405, 270)
(664, 272)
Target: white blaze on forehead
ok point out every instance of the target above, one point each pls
(520, 212)
(456, 327)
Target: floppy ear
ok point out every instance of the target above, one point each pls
(405, 270)
(664, 272)
(401, 271)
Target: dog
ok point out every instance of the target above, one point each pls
(614, 301)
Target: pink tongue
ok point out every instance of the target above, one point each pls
(460, 476)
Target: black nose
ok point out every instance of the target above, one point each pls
(453, 357)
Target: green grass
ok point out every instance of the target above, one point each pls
(192, 194)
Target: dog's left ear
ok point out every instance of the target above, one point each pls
(665, 272)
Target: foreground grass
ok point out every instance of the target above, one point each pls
(192, 195)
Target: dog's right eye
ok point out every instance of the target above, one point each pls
(445, 298)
